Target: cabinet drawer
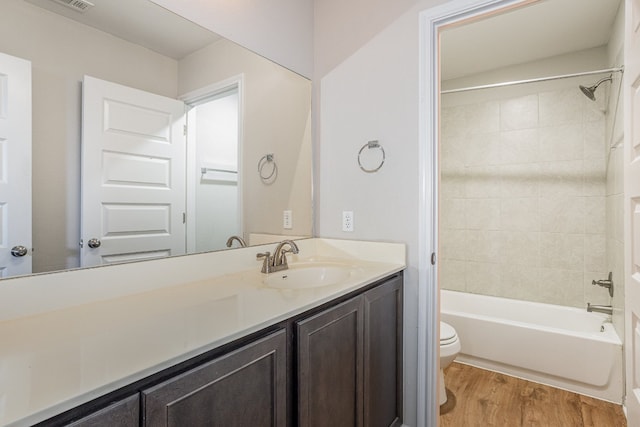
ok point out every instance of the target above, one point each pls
(125, 413)
(246, 387)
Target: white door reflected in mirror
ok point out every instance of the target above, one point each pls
(133, 174)
(15, 166)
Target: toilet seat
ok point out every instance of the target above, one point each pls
(447, 334)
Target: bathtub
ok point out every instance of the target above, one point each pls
(560, 346)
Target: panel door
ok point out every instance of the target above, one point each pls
(15, 165)
(330, 367)
(383, 355)
(133, 174)
(632, 207)
(244, 388)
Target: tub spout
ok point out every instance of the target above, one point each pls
(606, 309)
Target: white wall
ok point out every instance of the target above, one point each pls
(281, 30)
(370, 91)
(61, 52)
(276, 119)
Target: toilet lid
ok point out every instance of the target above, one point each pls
(447, 334)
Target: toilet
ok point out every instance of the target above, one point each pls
(449, 349)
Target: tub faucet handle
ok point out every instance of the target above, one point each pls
(605, 283)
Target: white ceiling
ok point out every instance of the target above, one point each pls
(141, 22)
(543, 29)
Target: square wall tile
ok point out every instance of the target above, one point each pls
(483, 278)
(520, 180)
(595, 177)
(594, 140)
(453, 244)
(482, 182)
(483, 117)
(452, 275)
(482, 214)
(562, 214)
(595, 211)
(520, 281)
(519, 214)
(560, 107)
(564, 287)
(562, 142)
(519, 113)
(520, 248)
(595, 253)
(563, 178)
(562, 251)
(483, 149)
(483, 246)
(452, 213)
(519, 146)
(453, 121)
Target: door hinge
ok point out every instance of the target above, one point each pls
(433, 258)
(184, 217)
(184, 130)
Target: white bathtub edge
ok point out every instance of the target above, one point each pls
(610, 393)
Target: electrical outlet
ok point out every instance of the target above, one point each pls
(287, 220)
(347, 221)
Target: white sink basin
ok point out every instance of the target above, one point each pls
(310, 275)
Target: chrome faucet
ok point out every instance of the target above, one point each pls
(240, 240)
(606, 309)
(605, 283)
(277, 261)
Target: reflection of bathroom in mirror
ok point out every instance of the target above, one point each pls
(258, 108)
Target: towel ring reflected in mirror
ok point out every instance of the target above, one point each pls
(266, 176)
(371, 145)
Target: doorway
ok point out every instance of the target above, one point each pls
(214, 171)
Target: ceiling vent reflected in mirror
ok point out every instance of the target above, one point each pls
(77, 5)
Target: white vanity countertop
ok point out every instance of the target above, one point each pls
(52, 361)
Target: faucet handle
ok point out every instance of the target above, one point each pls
(266, 264)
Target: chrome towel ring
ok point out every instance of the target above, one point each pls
(371, 145)
(265, 176)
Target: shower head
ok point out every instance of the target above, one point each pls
(590, 92)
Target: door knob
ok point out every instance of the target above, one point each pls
(18, 251)
(94, 243)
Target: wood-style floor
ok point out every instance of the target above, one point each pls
(484, 399)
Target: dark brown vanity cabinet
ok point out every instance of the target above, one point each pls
(125, 413)
(246, 387)
(337, 365)
(350, 361)
(330, 367)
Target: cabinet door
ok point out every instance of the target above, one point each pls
(125, 413)
(330, 381)
(247, 387)
(383, 355)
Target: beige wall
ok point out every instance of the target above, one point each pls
(61, 52)
(281, 30)
(277, 115)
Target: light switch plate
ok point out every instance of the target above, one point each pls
(287, 219)
(347, 221)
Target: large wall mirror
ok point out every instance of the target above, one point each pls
(244, 168)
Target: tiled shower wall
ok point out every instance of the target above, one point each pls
(522, 196)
